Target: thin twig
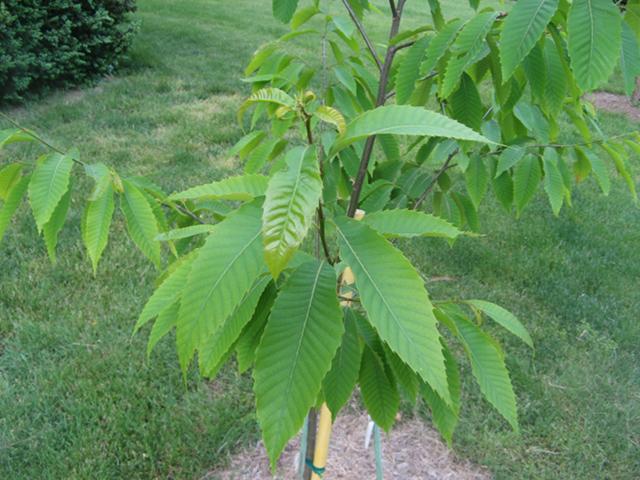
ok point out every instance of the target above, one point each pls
(447, 165)
(363, 33)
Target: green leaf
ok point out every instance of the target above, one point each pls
(49, 183)
(553, 182)
(141, 222)
(410, 223)
(332, 116)
(283, 10)
(242, 187)
(487, 366)
(598, 167)
(503, 188)
(291, 200)
(303, 15)
(13, 135)
(52, 228)
(522, 28)
(477, 179)
(630, 59)
(527, 176)
(102, 176)
(503, 317)
(163, 325)
(395, 300)
(95, 225)
(619, 162)
(169, 291)
(11, 203)
(301, 337)
(439, 45)
(217, 345)
(9, 176)
(595, 32)
(404, 376)
(508, 158)
(340, 381)
(225, 268)
(555, 89)
(378, 390)
(185, 232)
(267, 95)
(466, 106)
(405, 120)
(409, 70)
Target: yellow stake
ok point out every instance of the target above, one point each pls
(325, 421)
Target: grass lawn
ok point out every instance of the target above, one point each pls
(78, 399)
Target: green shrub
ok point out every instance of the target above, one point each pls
(60, 43)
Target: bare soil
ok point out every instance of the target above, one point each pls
(615, 103)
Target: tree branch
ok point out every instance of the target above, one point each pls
(363, 33)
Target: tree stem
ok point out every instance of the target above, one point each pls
(311, 441)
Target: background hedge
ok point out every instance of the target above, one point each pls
(60, 43)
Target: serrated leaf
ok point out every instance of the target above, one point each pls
(404, 223)
(52, 228)
(508, 158)
(598, 167)
(301, 337)
(269, 95)
(340, 381)
(535, 70)
(439, 45)
(95, 225)
(503, 317)
(216, 346)
(225, 268)
(406, 378)
(186, 232)
(396, 302)
(477, 179)
(283, 10)
(169, 291)
(553, 182)
(141, 222)
(503, 189)
(487, 366)
(595, 32)
(9, 176)
(409, 70)
(465, 103)
(619, 162)
(522, 28)
(332, 116)
(378, 390)
(555, 89)
(291, 200)
(526, 178)
(11, 203)
(166, 320)
(630, 58)
(242, 187)
(101, 176)
(405, 120)
(49, 182)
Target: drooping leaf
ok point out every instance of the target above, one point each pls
(410, 223)
(477, 179)
(340, 381)
(332, 116)
(406, 378)
(9, 176)
(466, 106)
(242, 187)
(303, 15)
(503, 317)
(13, 135)
(439, 45)
(299, 342)
(95, 225)
(595, 32)
(141, 222)
(11, 203)
(508, 158)
(291, 200)
(49, 182)
(102, 178)
(526, 178)
(378, 390)
(283, 10)
(405, 120)
(269, 95)
(166, 320)
(395, 299)
(598, 167)
(409, 71)
(225, 268)
(52, 228)
(522, 28)
(553, 183)
(185, 232)
(630, 58)
(555, 89)
(216, 346)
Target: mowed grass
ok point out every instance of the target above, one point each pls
(78, 398)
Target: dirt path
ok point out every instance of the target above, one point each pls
(614, 103)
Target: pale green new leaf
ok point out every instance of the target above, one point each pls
(270, 95)
(225, 268)
(102, 176)
(526, 178)
(340, 381)
(49, 183)
(242, 187)
(487, 366)
(292, 197)
(595, 33)
(283, 10)
(522, 28)
(13, 135)
(186, 232)
(477, 179)
(52, 228)
(553, 182)
(332, 116)
(410, 223)
(141, 222)
(405, 120)
(409, 71)
(378, 390)
(95, 225)
(503, 317)
(299, 342)
(396, 301)
(217, 345)
(9, 176)
(11, 203)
